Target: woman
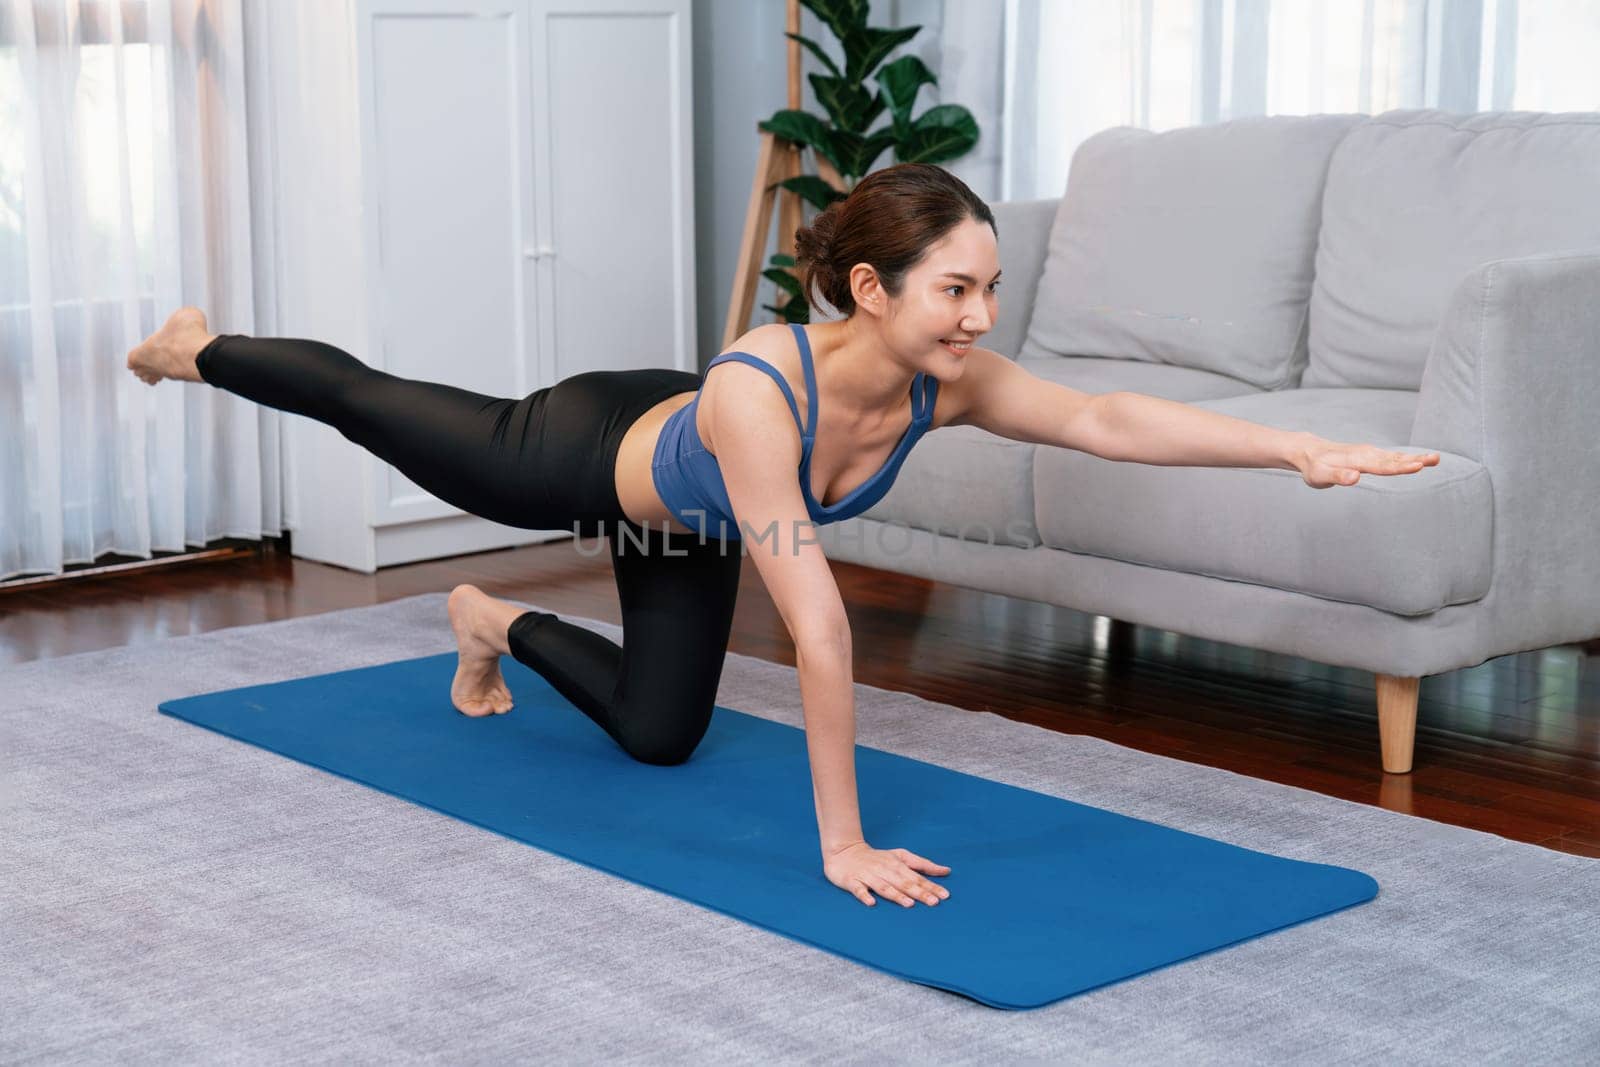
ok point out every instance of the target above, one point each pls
(684, 473)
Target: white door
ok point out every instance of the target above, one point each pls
(448, 219)
(613, 141)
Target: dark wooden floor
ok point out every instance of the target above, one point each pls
(1511, 746)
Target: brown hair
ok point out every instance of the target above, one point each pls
(889, 221)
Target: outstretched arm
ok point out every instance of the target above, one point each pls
(1004, 398)
(1147, 429)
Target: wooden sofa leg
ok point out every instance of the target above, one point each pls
(1397, 721)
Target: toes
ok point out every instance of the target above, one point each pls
(481, 707)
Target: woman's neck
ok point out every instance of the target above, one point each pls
(861, 382)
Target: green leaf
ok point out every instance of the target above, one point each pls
(817, 51)
(780, 260)
(813, 190)
(901, 124)
(940, 133)
(946, 115)
(830, 151)
(849, 105)
(847, 144)
(793, 311)
(784, 280)
(803, 128)
(840, 16)
(866, 46)
(859, 151)
(899, 82)
(874, 146)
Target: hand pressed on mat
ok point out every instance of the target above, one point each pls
(892, 873)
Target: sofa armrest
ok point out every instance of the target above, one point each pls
(1024, 235)
(1513, 381)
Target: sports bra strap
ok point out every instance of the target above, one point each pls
(921, 406)
(761, 364)
(811, 378)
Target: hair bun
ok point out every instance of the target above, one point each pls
(814, 242)
(813, 249)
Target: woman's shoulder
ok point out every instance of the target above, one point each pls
(773, 342)
(729, 395)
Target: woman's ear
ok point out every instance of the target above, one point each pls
(866, 289)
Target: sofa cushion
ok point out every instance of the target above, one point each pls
(1096, 374)
(1417, 199)
(1192, 247)
(969, 483)
(1407, 544)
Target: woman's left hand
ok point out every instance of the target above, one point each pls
(1325, 464)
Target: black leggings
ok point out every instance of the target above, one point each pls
(545, 462)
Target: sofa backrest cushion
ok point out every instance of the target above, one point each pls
(1192, 247)
(1415, 200)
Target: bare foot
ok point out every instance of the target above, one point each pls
(170, 351)
(478, 688)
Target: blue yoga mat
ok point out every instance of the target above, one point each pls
(1048, 898)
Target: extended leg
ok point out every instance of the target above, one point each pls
(465, 448)
(654, 694)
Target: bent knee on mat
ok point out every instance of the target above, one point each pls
(666, 748)
(667, 759)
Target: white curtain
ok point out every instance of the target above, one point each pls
(1040, 76)
(124, 194)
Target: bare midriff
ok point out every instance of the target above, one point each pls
(636, 486)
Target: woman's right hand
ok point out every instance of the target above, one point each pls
(892, 873)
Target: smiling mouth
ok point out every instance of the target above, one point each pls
(956, 346)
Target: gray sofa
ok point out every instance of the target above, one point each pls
(1416, 280)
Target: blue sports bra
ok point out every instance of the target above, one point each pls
(690, 482)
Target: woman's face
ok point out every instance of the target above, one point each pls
(949, 299)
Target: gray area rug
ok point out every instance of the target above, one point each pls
(169, 895)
